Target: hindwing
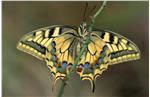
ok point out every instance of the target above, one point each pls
(94, 61)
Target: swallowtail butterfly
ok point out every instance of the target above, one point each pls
(59, 45)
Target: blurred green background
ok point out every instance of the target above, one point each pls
(26, 76)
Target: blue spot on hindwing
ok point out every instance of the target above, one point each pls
(53, 51)
(64, 64)
(62, 68)
(86, 65)
(53, 44)
(105, 47)
(100, 60)
(87, 68)
(53, 58)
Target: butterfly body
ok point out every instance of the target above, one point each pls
(59, 45)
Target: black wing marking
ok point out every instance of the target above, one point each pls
(121, 48)
(37, 41)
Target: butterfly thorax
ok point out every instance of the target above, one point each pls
(82, 30)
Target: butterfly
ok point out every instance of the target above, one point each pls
(59, 45)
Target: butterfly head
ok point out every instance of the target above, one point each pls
(82, 29)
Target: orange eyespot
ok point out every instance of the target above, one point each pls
(79, 68)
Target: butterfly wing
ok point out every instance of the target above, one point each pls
(121, 48)
(94, 61)
(105, 48)
(36, 42)
(53, 45)
(61, 55)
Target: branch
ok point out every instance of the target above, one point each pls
(99, 11)
(85, 44)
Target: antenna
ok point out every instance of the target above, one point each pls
(85, 10)
(94, 7)
(84, 18)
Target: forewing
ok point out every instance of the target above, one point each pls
(36, 42)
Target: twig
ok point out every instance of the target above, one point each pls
(99, 11)
(61, 91)
(85, 44)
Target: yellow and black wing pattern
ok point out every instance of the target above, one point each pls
(36, 42)
(59, 45)
(121, 48)
(105, 48)
(94, 61)
(53, 45)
